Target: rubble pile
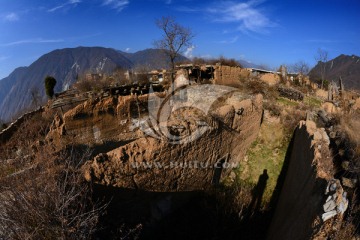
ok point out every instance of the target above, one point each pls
(336, 202)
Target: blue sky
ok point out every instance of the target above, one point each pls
(269, 32)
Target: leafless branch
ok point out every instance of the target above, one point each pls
(175, 39)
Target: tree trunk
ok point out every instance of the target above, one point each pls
(172, 79)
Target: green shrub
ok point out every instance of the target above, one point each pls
(50, 83)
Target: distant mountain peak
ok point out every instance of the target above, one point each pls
(345, 66)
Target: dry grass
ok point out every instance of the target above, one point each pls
(348, 141)
(351, 225)
(273, 108)
(50, 200)
(17, 152)
(351, 124)
(86, 85)
(312, 102)
(255, 85)
(291, 119)
(42, 193)
(267, 152)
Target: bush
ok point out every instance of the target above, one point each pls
(43, 194)
(50, 83)
(254, 85)
(84, 85)
(229, 62)
(292, 118)
(48, 201)
(90, 84)
(273, 108)
(222, 60)
(199, 61)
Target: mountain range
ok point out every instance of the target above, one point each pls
(65, 65)
(344, 66)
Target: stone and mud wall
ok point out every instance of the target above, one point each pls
(129, 157)
(99, 120)
(156, 164)
(303, 194)
(226, 75)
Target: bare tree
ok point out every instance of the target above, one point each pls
(301, 67)
(175, 39)
(322, 57)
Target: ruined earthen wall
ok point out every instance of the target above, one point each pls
(302, 194)
(225, 75)
(270, 78)
(172, 167)
(98, 120)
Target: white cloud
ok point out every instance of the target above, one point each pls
(119, 5)
(127, 49)
(68, 3)
(206, 56)
(35, 40)
(11, 17)
(247, 14)
(189, 51)
(230, 41)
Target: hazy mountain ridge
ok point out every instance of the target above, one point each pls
(247, 64)
(65, 65)
(348, 67)
(151, 58)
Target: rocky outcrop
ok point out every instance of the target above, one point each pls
(291, 93)
(205, 148)
(336, 201)
(302, 197)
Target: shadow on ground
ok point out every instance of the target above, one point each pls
(137, 214)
